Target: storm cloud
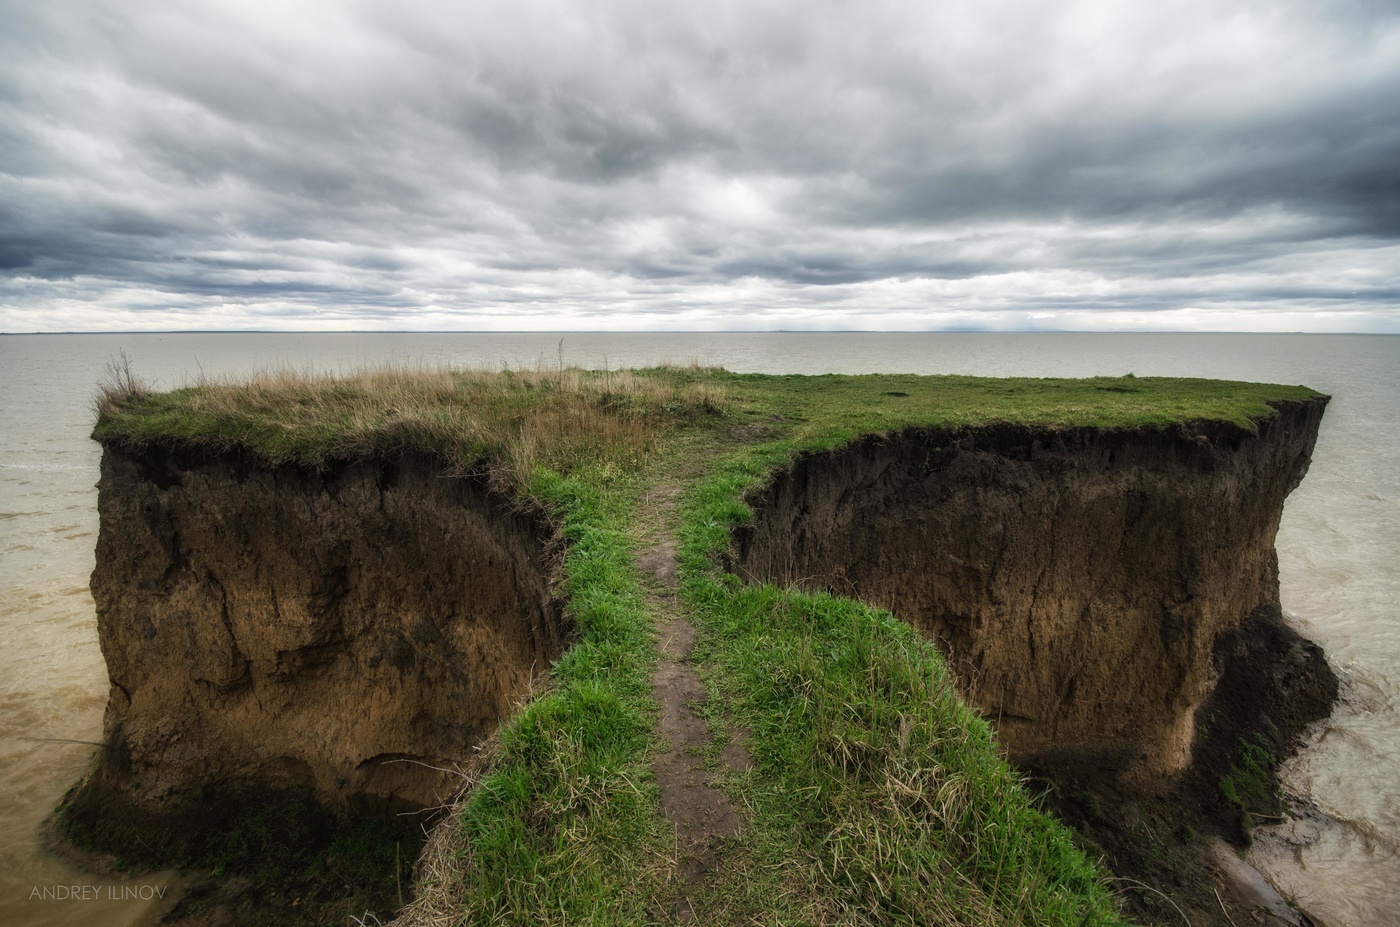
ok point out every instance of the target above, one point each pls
(615, 165)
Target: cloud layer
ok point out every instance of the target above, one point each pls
(828, 164)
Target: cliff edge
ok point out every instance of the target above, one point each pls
(313, 619)
(349, 634)
(1091, 587)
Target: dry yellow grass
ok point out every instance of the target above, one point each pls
(510, 421)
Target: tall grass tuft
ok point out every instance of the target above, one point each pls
(119, 387)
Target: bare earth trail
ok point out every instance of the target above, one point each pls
(705, 819)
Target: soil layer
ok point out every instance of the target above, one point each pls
(1107, 598)
(337, 640)
(1079, 580)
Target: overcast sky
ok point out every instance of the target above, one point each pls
(587, 164)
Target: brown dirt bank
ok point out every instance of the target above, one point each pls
(1108, 598)
(343, 637)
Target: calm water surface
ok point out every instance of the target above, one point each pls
(1339, 553)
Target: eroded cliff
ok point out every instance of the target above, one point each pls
(349, 634)
(1108, 597)
(1091, 587)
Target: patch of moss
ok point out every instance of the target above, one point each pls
(1251, 786)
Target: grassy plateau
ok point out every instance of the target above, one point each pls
(875, 795)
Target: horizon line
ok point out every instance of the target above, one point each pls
(687, 331)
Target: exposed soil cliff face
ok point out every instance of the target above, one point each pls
(348, 634)
(1086, 584)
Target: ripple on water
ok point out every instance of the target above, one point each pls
(1350, 772)
(1322, 874)
(44, 467)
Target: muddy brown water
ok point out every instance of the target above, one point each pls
(1339, 557)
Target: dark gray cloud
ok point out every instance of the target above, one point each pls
(633, 164)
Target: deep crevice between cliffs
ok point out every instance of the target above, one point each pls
(301, 663)
(1107, 598)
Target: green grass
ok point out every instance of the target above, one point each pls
(876, 795)
(879, 789)
(518, 420)
(566, 829)
(829, 410)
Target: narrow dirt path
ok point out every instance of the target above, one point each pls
(703, 816)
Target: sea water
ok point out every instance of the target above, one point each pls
(1339, 554)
